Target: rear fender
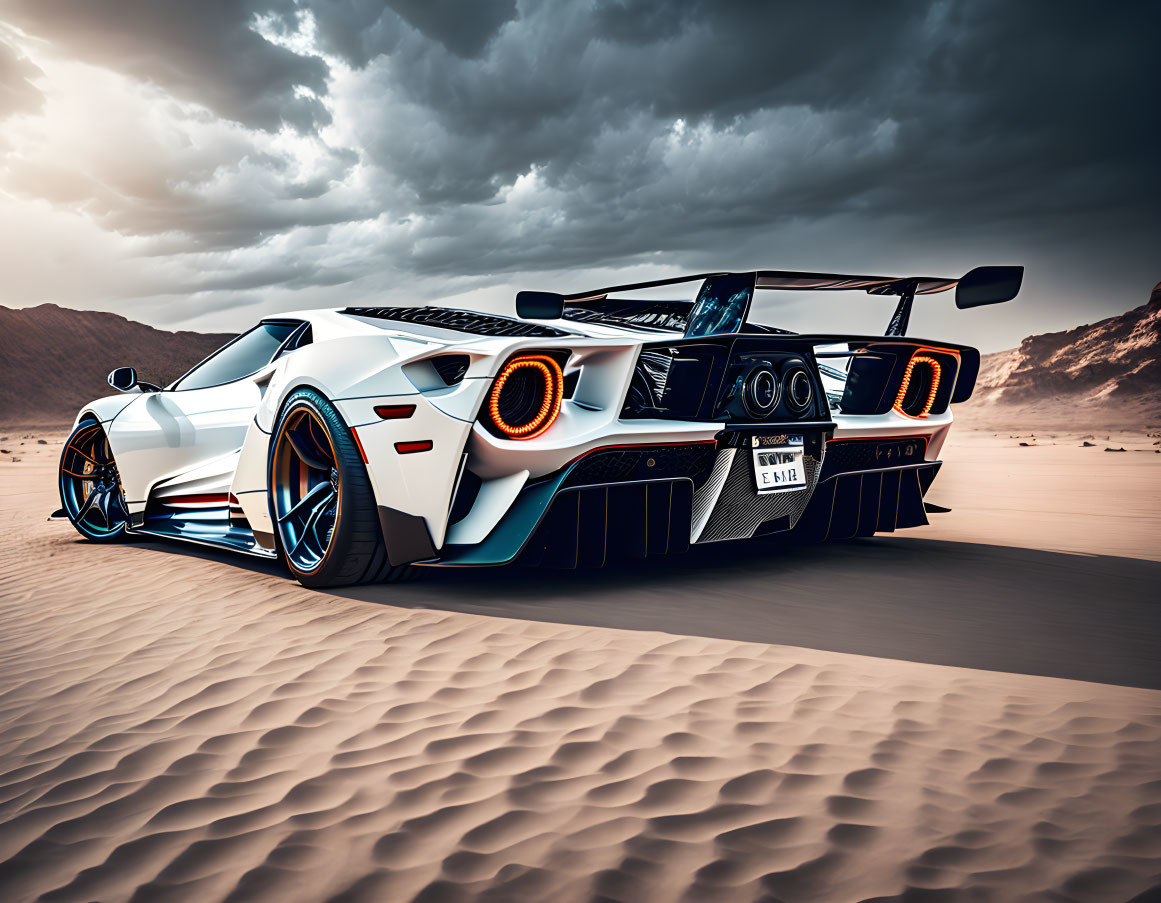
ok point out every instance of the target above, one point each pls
(419, 483)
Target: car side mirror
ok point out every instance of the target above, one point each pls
(123, 379)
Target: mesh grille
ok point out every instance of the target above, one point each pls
(849, 455)
(623, 464)
(666, 315)
(459, 321)
(739, 509)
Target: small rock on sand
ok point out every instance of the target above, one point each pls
(1088, 445)
(1026, 445)
(42, 442)
(1114, 449)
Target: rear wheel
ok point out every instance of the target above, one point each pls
(325, 517)
(90, 487)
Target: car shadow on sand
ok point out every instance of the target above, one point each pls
(1083, 617)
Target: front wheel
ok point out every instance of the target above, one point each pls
(90, 487)
(325, 518)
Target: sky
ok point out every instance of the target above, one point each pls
(200, 165)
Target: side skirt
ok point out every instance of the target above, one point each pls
(255, 550)
(204, 520)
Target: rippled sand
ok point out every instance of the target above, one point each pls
(182, 727)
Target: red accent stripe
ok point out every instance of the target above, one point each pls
(210, 498)
(359, 445)
(394, 411)
(410, 448)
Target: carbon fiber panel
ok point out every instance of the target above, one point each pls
(739, 510)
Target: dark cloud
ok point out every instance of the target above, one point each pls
(995, 111)
(206, 51)
(17, 93)
(361, 30)
(484, 139)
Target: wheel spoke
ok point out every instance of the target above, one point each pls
(309, 458)
(304, 500)
(320, 543)
(119, 501)
(104, 503)
(86, 457)
(310, 523)
(87, 506)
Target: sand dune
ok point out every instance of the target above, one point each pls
(187, 727)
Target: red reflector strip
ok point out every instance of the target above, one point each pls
(359, 445)
(409, 448)
(204, 500)
(394, 411)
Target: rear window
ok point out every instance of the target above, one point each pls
(247, 354)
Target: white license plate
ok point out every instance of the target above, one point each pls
(778, 467)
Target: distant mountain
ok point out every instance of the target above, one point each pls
(1106, 372)
(53, 360)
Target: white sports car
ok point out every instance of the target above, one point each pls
(355, 444)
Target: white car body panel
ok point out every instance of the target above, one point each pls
(163, 435)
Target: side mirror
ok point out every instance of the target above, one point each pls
(123, 379)
(988, 285)
(539, 305)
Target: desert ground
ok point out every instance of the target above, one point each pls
(969, 711)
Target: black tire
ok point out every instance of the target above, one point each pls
(353, 550)
(90, 487)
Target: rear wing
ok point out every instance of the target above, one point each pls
(723, 302)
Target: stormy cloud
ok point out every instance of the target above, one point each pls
(268, 154)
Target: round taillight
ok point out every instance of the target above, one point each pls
(525, 398)
(919, 387)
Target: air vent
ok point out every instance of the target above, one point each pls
(668, 316)
(458, 321)
(451, 367)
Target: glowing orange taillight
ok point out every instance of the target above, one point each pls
(920, 360)
(526, 396)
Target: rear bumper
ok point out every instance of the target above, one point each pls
(649, 500)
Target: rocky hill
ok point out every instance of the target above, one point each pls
(53, 360)
(1104, 373)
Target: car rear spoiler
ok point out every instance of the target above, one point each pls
(729, 294)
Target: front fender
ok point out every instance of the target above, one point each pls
(107, 408)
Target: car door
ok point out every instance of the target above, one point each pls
(185, 439)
